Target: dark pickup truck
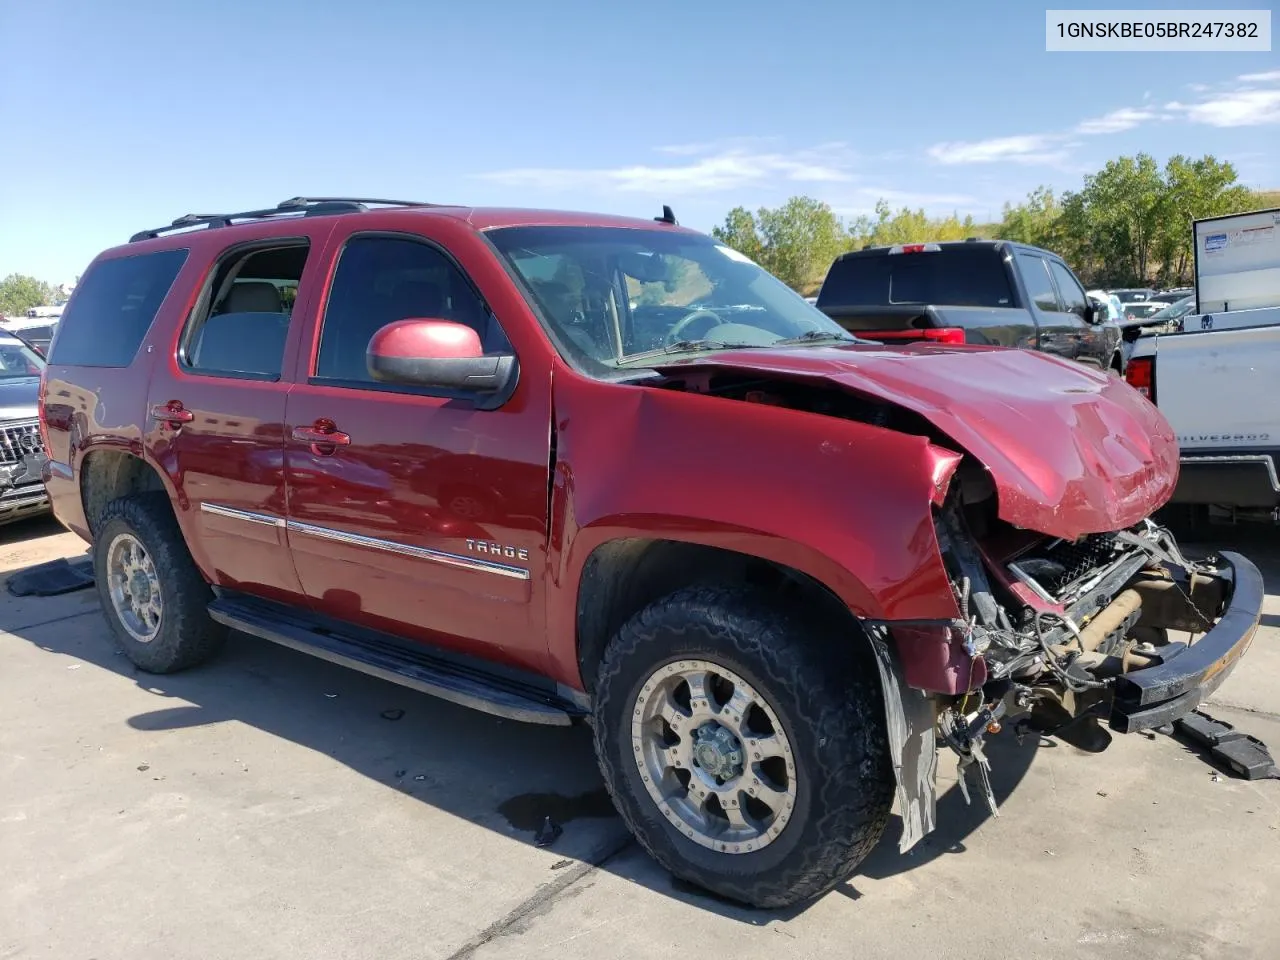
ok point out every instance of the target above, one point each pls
(973, 291)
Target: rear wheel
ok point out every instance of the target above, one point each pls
(744, 745)
(152, 594)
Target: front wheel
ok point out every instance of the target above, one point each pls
(744, 744)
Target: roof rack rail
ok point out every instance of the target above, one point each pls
(306, 206)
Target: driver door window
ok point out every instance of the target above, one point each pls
(380, 280)
(1073, 298)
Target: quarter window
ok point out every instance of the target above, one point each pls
(113, 308)
(1035, 274)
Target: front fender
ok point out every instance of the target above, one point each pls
(846, 503)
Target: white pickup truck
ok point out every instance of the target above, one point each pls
(1218, 381)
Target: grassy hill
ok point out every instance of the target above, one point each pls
(1267, 199)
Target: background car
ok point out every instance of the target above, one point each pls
(1142, 310)
(22, 453)
(37, 332)
(1171, 316)
(1133, 294)
(1108, 304)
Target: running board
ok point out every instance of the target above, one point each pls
(401, 662)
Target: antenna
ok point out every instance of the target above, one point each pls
(667, 216)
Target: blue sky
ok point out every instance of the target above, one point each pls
(124, 115)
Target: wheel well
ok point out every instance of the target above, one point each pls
(622, 577)
(107, 475)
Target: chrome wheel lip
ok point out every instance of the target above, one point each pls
(134, 587)
(739, 832)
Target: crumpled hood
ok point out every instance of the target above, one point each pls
(1071, 451)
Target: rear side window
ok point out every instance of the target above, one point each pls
(1035, 274)
(240, 326)
(960, 277)
(113, 308)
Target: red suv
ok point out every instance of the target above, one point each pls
(568, 468)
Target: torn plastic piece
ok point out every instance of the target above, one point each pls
(912, 745)
(1243, 755)
(977, 759)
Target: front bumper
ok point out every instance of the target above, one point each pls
(17, 503)
(1154, 696)
(1232, 480)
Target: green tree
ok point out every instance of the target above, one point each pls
(740, 232)
(1035, 221)
(796, 242)
(1193, 189)
(18, 293)
(1114, 220)
(1130, 223)
(907, 226)
(800, 239)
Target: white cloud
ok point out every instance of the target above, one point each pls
(1029, 148)
(1126, 118)
(1252, 99)
(710, 167)
(1233, 108)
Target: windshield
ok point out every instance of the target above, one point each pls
(18, 360)
(1175, 310)
(1141, 311)
(612, 295)
(1131, 296)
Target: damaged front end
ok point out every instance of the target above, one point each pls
(1115, 631)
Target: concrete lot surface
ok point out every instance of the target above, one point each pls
(271, 805)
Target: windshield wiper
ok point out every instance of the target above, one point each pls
(820, 336)
(687, 346)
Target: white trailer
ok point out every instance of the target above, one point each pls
(1237, 267)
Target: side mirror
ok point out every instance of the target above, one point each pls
(1090, 313)
(436, 353)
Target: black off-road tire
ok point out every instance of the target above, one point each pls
(187, 635)
(821, 681)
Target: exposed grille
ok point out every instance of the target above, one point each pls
(19, 441)
(1081, 559)
(1061, 565)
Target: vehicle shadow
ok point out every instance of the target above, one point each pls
(505, 776)
(29, 528)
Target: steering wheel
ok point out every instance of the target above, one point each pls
(673, 334)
